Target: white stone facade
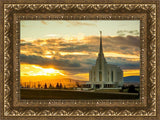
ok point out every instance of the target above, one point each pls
(104, 75)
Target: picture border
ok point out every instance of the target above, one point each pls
(7, 82)
(76, 103)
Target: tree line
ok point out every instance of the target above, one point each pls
(58, 86)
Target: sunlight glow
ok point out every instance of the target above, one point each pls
(131, 72)
(113, 54)
(73, 53)
(35, 70)
(48, 56)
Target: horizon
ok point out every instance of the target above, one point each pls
(68, 84)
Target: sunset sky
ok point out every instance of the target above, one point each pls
(69, 48)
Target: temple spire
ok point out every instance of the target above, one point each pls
(101, 49)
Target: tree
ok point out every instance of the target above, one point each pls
(39, 86)
(34, 86)
(64, 87)
(77, 84)
(21, 86)
(123, 87)
(50, 86)
(132, 89)
(45, 86)
(60, 86)
(57, 86)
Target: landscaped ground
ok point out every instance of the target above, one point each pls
(69, 94)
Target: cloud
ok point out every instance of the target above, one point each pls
(22, 41)
(45, 62)
(131, 32)
(28, 43)
(76, 48)
(125, 45)
(77, 23)
(43, 22)
(65, 55)
(51, 35)
(123, 63)
(90, 61)
(23, 25)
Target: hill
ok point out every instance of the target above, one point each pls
(33, 81)
(131, 79)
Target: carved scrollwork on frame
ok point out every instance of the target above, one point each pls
(11, 9)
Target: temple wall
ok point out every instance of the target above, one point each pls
(106, 75)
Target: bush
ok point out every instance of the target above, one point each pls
(132, 89)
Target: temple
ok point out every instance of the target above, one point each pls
(104, 75)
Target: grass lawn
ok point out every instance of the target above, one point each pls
(108, 90)
(68, 94)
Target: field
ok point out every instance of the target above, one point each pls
(70, 94)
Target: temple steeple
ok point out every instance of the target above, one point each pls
(101, 49)
(101, 55)
(101, 60)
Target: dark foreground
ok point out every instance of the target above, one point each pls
(67, 94)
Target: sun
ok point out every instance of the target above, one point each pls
(51, 71)
(35, 70)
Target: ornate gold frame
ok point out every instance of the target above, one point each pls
(15, 108)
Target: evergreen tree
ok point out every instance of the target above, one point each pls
(60, 86)
(57, 86)
(39, 86)
(50, 86)
(45, 86)
(132, 89)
